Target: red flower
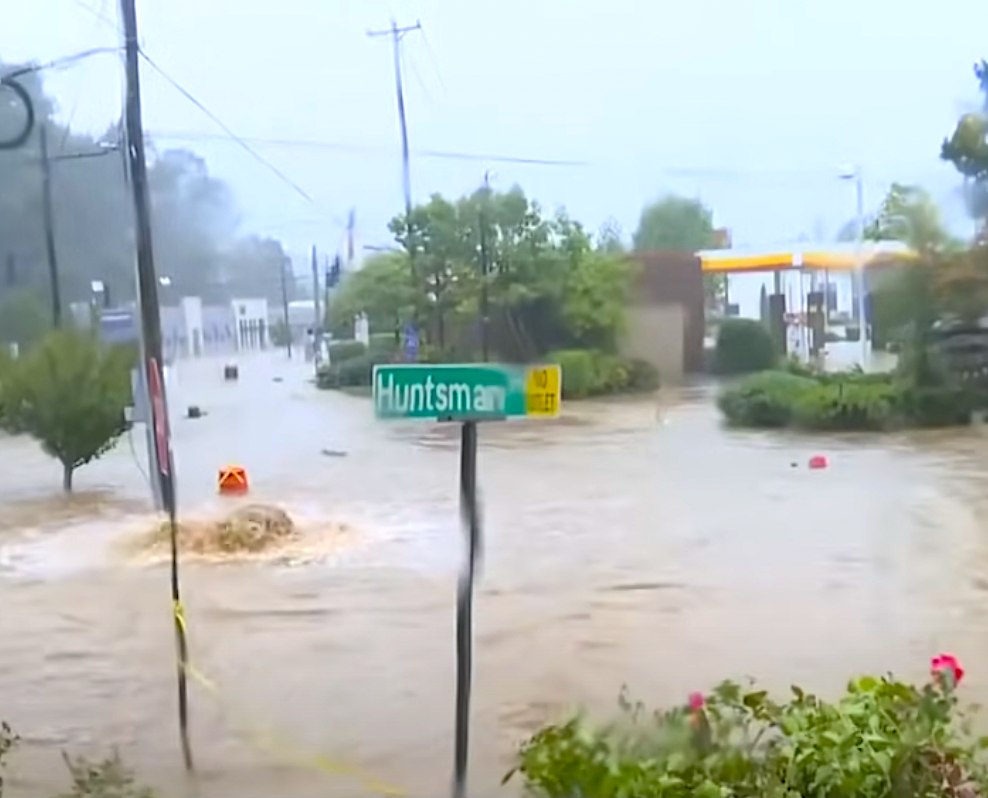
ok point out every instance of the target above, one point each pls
(696, 702)
(946, 663)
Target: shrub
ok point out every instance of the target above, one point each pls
(881, 739)
(579, 372)
(353, 373)
(642, 375)
(937, 405)
(851, 406)
(765, 400)
(345, 350)
(743, 346)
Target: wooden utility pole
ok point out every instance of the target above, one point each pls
(147, 293)
(397, 34)
(48, 218)
(317, 320)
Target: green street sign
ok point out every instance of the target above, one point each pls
(471, 391)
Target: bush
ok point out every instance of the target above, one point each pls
(588, 372)
(881, 739)
(353, 373)
(107, 779)
(743, 346)
(764, 400)
(579, 372)
(345, 350)
(850, 406)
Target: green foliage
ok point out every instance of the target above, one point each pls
(107, 779)
(69, 393)
(967, 149)
(743, 346)
(881, 739)
(8, 741)
(354, 372)
(593, 373)
(344, 350)
(801, 397)
(549, 284)
(764, 400)
(685, 225)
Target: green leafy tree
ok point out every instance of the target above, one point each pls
(381, 288)
(685, 225)
(967, 149)
(69, 393)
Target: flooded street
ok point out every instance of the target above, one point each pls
(627, 542)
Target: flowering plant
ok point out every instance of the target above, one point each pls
(881, 738)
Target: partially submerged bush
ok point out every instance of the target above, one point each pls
(881, 739)
(802, 397)
(743, 346)
(588, 372)
(764, 400)
(109, 778)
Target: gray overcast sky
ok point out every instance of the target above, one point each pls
(752, 106)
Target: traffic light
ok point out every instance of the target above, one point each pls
(333, 273)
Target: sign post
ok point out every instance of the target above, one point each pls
(468, 394)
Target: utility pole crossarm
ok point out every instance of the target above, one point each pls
(395, 31)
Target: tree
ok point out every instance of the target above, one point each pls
(967, 149)
(686, 225)
(195, 219)
(610, 238)
(24, 317)
(908, 213)
(548, 286)
(69, 393)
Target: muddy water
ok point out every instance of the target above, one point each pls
(626, 543)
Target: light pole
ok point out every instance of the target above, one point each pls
(854, 173)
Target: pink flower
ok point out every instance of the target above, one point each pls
(946, 663)
(696, 701)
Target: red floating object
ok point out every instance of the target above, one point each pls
(818, 461)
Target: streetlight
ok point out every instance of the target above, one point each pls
(854, 173)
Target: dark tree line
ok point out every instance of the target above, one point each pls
(198, 245)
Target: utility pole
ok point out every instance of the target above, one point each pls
(147, 285)
(397, 34)
(284, 308)
(49, 223)
(317, 321)
(485, 320)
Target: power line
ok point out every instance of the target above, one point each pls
(226, 129)
(59, 63)
(340, 146)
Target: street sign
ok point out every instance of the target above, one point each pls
(469, 391)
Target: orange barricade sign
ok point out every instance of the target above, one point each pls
(232, 479)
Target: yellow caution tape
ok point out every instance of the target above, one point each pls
(276, 745)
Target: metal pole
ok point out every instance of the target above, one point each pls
(464, 604)
(284, 308)
(49, 222)
(859, 257)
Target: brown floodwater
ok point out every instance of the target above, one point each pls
(631, 542)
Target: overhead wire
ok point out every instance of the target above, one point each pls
(226, 129)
